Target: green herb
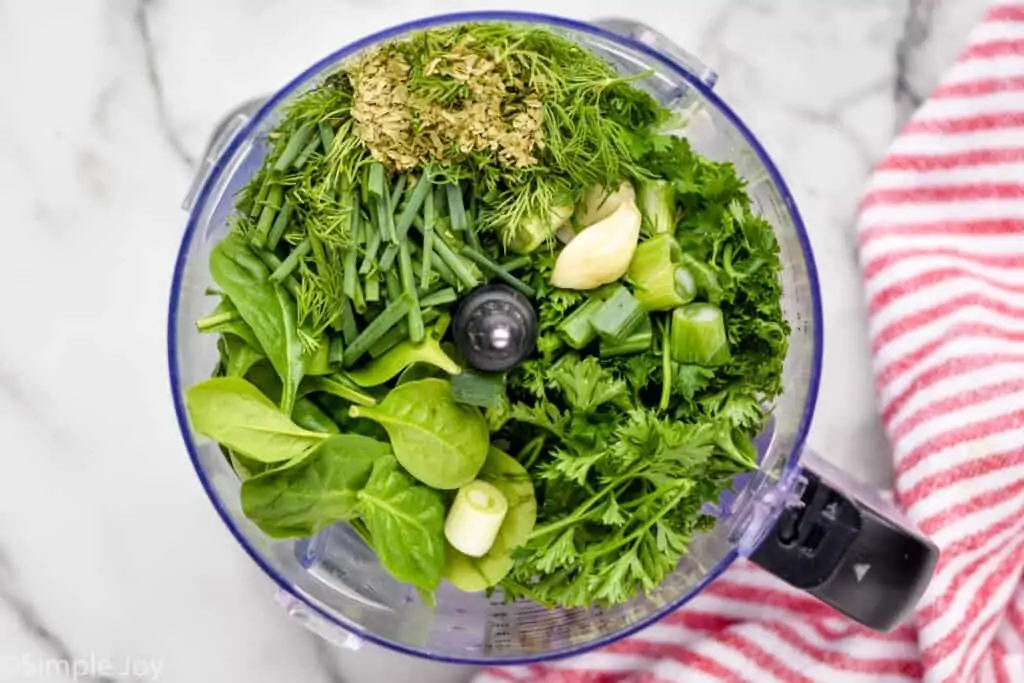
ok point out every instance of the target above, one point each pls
(265, 307)
(323, 490)
(237, 415)
(387, 319)
(438, 441)
(499, 272)
(387, 366)
(393, 506)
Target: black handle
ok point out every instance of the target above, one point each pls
(850, 548)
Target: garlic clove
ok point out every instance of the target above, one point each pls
(601, 253)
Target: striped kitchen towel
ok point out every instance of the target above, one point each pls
(942, 249)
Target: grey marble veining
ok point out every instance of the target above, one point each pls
(109, 551)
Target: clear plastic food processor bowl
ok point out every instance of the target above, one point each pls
(334, 584)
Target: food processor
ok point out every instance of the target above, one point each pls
(795, 516)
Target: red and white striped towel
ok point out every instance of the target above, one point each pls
(942, 249)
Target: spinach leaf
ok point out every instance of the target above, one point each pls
(400, 357)
(406, 524)
(477, 573)
(265, 306)
(440, 442)
(337, 385)
(240, 356)
(235, 414)
(302, 500)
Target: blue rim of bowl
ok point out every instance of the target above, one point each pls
(290, 88)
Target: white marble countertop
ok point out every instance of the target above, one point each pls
(109, 550)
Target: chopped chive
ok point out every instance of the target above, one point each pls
(387, 259)
(215, 319)
(392, 283)
(349, 268)
(291, 262)
(280, 224)
(326, 136)
(372, 288)
(274, 263)
(428, 237)
(396, 191)
(212, 291)
(397, 334)
(267, 215)
(358, 298)
(442, 270)
(441, 200)
(307, 151)
(412, 207)
(378, 327)
(372, 247)
(376, 181)
(319, 254)
(455, 207)
(516, 263)
(451, 259)
(349, 329)
(336, 352)
(441, 296)
(294, 147)
(387, 219)
(405, 272)
(499, 272)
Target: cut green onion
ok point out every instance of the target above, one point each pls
(483, 389)
(638, 341)
(657, 200)
(280, 224)
(577, 330)
(267, 215)
(618, 316)
(388, 318)
(291, 262)
(698, 335)
(438, 298)
(705, 278)
(475, 517)
(660, 282)
(499, 272)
